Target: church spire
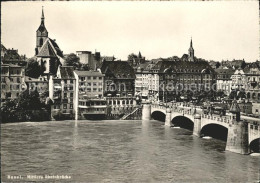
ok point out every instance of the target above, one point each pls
(191, 51)
(42, 19)
(42, 13)
(41, 34)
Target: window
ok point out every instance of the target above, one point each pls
(17, 71)
(89, 77)
(71, 94)
(18, 80)
(3, 86)
(94, 77)
(11, 87)
(17, 87)
(100, 78)
(17, 94)
(64, 106)
(41, 42)
(71, 87)
(71, 106)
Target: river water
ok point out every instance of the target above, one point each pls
(117, 151)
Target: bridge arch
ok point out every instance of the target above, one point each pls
(183, 122)
(254, 145)
(158, 115)
(215, 130)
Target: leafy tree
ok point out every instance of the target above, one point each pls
(217, 64)
(8, 111)
(85, 67)
(33, 69)
(131, 57)
(29, 101)
(73, 60)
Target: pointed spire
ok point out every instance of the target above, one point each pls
(42, 13)
(191, 42)
(139, 55)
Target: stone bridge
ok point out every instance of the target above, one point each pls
(240, 132)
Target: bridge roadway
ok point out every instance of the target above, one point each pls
(241, 133)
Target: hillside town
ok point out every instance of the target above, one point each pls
(88, 85)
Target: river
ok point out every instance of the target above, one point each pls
(117, 151)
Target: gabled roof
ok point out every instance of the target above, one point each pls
(46, 50)
(119, 69)
(57, 48)
(3, 47)
(184, 66)
(11, 54)
(50, 49)
(67, 72)
(250, 66)
(224, 70)
(88, 73)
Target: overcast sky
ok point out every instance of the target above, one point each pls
(219, 30)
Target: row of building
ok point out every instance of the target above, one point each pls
(113, 87)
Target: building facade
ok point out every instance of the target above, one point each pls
(184, 77)
(92, 60)
(62, 91)
(252, 77)
(12, 81)
(119, 78)
(89, 94)
(224, 80)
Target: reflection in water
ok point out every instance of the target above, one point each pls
(119, 151)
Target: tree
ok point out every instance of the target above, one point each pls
(29, 101)
(33, 69)
(217, 65)
(131, 57)
(85, 67)
(73, 60)
(8, 111)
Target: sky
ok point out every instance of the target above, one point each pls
(220, 30)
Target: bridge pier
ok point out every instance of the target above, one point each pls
(146, 111)
(168, 121)
(237, 140)
(197, 125)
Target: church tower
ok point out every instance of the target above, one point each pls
(41, 34)
(191, 52)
